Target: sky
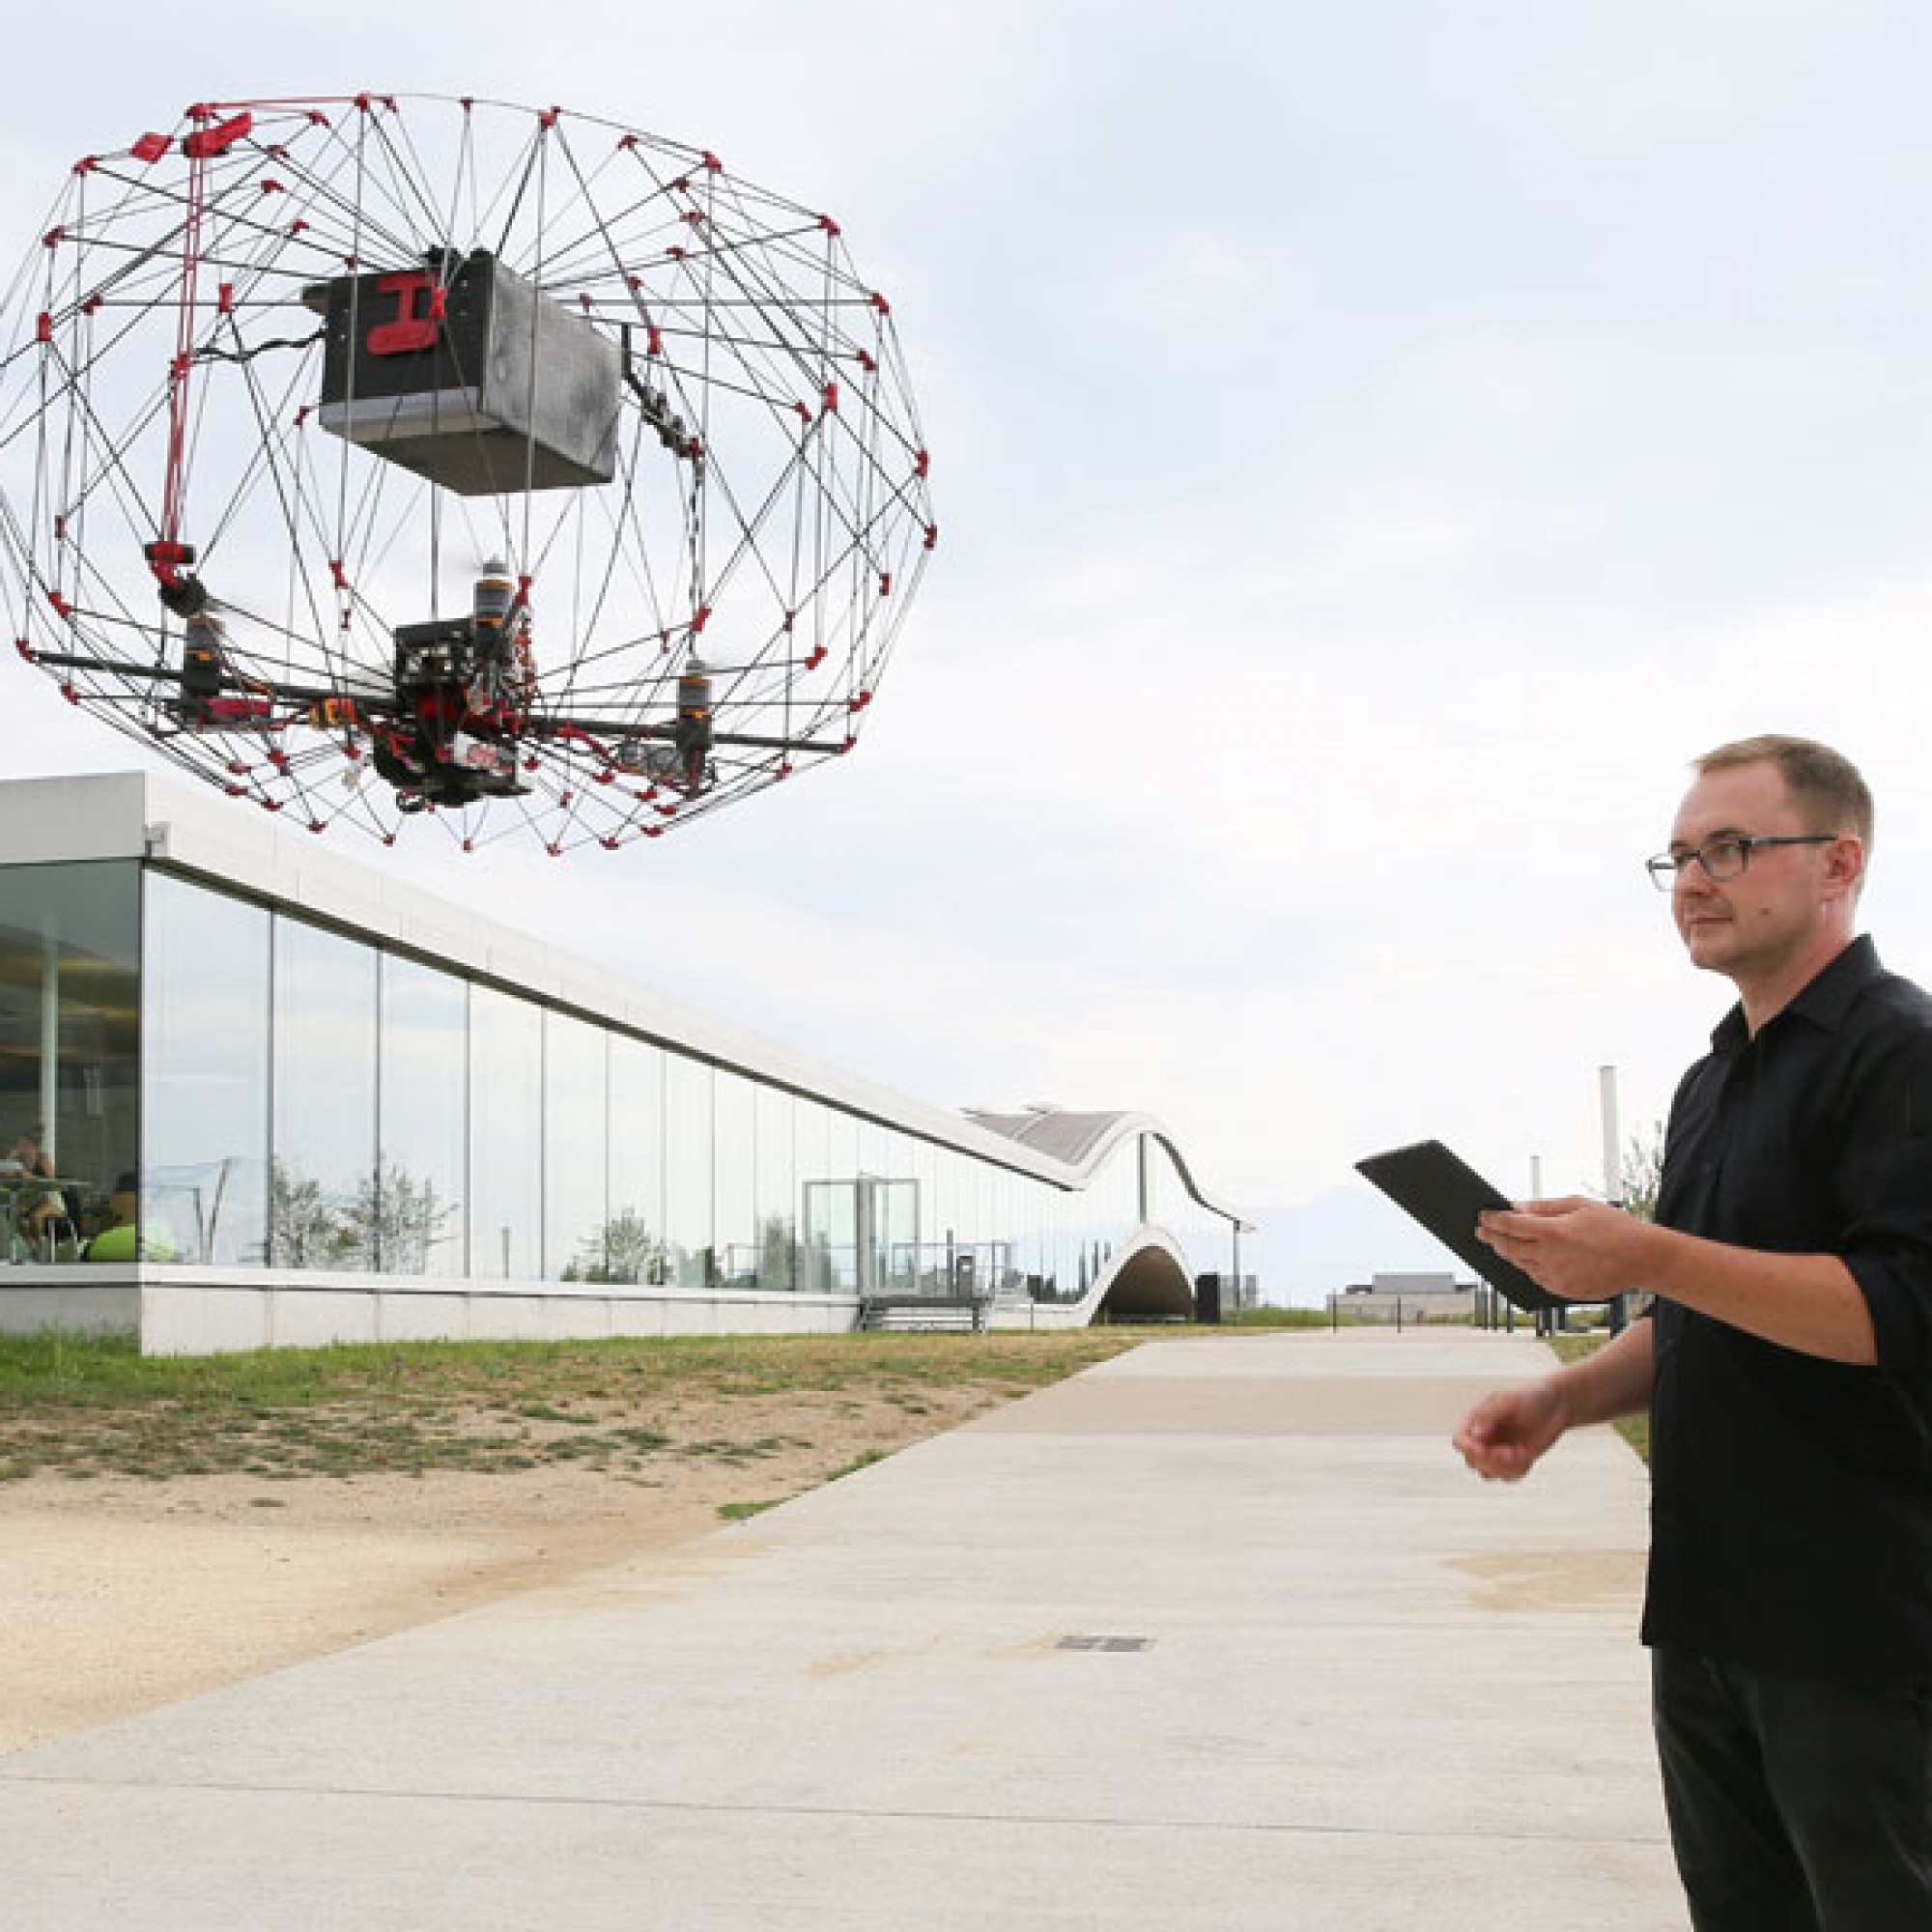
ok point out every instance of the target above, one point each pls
(1376, 448)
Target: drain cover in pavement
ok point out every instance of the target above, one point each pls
(1105, 1642)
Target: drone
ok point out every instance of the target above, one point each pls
(392, 459)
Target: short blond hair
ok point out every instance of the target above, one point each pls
(1826, 786)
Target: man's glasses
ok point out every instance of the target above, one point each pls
(1725, 857)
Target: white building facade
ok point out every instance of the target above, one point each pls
(315, 1106)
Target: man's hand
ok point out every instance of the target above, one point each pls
(1504, 1435)
(1578, 1249)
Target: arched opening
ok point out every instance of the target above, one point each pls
(1149, 1285)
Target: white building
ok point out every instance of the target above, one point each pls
(341, 1111)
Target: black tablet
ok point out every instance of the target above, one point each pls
(1445, 1194)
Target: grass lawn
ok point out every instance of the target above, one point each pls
(91, 1408)
(1633, 1428)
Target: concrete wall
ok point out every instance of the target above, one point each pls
(178, 1311)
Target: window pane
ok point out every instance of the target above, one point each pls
(776, 1202)
(634, 1240)
(324, 1176)
(576, 1149)
(506, 1135)
(734, 1178)
(205, 1054)
(69, 1037)
(423, 1117)
(688, 1170)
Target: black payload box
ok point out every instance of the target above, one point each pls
(464, 373)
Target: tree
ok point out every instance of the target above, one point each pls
(306, 1230)
(394, 1220)
(623, 1249)
(1642, 1171)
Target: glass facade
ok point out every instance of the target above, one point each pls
(257, 1090)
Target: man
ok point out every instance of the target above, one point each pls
(1787, 1365)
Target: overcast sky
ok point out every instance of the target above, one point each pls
(1376, 446)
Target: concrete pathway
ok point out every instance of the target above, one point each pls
(1219, 1635)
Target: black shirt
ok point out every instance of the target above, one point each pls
(1791, 1498)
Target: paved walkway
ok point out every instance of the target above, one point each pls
(1219, 1635)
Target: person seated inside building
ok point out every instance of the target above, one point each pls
(126, 1235)
(34, 1209)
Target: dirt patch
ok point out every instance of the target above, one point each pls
(1554, 1580)
(121, 1593)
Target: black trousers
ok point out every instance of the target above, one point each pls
(1796, 1805)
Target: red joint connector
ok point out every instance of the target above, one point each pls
(674, 253)
(61, 607)
(60, 529)
(53, 238)
(548, 118)
(317, 825)
(208, 142)
(44, 328)
(880, 303)
(583, 300)
(150, 147)
(817, 659)
(713, 163)
(94, 305)
(831, 227)
(25, 649)
(224, 299)
(68, 693)
(885, 583)
(301, 415)
(866, 362)
(272, 187)
(932, 536)
(236, 791)
(554, 851)
(87, 164)
(316, 118)
(804, 414)
(921, 464)
(299, 226)
(627, 143)
(654, 342)
(832, 399)
(610, 844)
(340, 574)
(704, 618)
